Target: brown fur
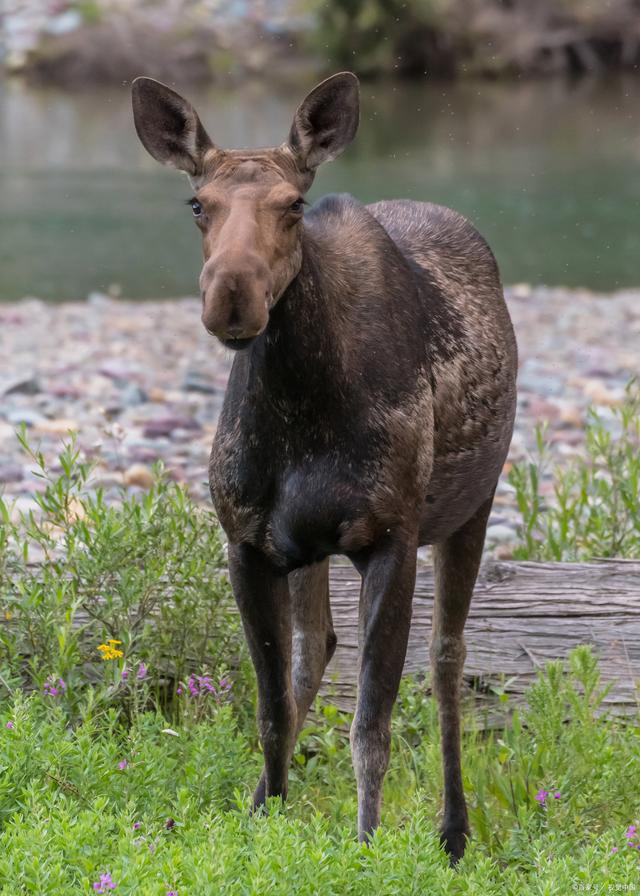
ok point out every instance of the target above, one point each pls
(369, 410)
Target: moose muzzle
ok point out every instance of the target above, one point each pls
(235, 299)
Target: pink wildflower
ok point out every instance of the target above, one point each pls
(105, 883)
(142, 672)
(541, 796)
(122, 764)
(10, 725)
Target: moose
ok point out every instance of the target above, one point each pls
(369, 411)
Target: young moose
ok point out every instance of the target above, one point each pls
(369, 411)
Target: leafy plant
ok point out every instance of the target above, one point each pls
(595, 510)
(157, 809)
(117, 596)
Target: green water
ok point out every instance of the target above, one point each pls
(549, 172)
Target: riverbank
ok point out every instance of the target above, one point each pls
(142, 381)
(200, 41)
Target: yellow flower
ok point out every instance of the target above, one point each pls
(109, 652)
(113, 641)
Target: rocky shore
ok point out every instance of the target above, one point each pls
(141, 381)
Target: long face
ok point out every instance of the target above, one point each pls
(247, 205)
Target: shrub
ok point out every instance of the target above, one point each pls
(595, 511)
(131, 598)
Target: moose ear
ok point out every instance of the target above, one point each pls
(326, 121)
(168, 126)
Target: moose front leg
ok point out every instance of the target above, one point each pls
(264, 603)
(314, 640)
(384, 620)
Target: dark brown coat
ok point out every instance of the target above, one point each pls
(369, 410)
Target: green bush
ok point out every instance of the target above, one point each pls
(595, 510)
(130, 598)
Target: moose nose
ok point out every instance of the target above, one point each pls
(235, 298)
(236, 331)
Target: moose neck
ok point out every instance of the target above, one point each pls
(302, 349)
(349, 330)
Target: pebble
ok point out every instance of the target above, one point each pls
(139, 475)
(59, 427)
(500, 533)
(138, 391)
(29, 386)
(11, 473)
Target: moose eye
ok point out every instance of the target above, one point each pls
(297, 206)
(196, 208)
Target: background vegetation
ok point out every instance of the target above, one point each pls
(76, 41)
(128, 748)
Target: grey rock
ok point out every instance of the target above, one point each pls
(17, 416)
(11, 473)
(28, 386)
(133, 395)
(500, 534)
(195, 381)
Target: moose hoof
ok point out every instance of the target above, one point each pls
(454, 841)
(259, 795)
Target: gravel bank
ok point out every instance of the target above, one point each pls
(141, 381)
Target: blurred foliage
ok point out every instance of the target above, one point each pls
(595, 507)
(484, 37)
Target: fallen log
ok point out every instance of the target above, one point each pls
(522, 615)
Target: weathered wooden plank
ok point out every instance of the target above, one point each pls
(522, 615)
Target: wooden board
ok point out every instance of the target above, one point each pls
(522, 615)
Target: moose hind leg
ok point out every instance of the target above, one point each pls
(314, 640)
(456, 564)
(385, 618)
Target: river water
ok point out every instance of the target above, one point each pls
(549, 172)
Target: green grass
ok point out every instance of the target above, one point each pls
(175, 817)
(138, 761)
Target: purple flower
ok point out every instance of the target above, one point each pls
(137, 825)
(125, 674)
(172, 893)
(179, 690)
(205, 684)
(631, 830)
(614, 849)
(142, 672)
(122, 764)
(105, 883)
(557, 795)
(541, 796)
(53, 688)
(193, 687)
(224, 684)
(10, 725)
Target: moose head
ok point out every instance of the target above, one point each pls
(247, 204)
